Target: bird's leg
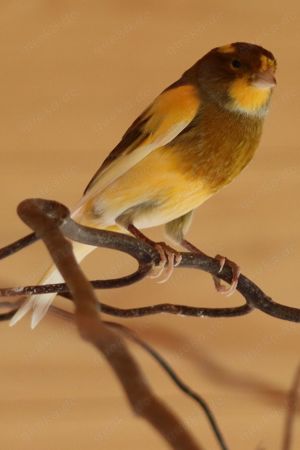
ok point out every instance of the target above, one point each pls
(222, 260)
(169, 257)
(177, 229)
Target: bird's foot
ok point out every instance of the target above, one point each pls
(169, 259)
(235, 276)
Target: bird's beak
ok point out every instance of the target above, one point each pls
(265, 79)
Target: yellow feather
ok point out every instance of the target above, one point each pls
(266, 63)
(229, 48)
(172, 106)
(246, 97)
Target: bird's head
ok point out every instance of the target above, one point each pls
(239, 76)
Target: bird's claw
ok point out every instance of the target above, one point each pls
(169, 259)
(227, 291)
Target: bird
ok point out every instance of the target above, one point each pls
(194, 139)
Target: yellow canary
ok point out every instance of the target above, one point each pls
(195, 137)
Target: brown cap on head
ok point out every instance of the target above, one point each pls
(246, 51)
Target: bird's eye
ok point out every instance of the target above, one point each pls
(236, 63)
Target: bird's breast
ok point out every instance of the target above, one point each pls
(217, 146)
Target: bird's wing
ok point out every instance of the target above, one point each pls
(158, 125)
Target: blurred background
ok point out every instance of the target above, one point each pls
(74, 75)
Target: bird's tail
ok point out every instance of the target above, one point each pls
(40, 303)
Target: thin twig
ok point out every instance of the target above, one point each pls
(17, 245)
(131, 313)
(291, 412)
(177, 380)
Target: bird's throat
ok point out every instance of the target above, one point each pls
(248, 99)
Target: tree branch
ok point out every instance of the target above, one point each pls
(146, 256)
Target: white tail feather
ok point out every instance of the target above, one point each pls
(40, 303)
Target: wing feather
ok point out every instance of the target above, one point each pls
(158, 125)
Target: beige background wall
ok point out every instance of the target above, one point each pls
(74, 74)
